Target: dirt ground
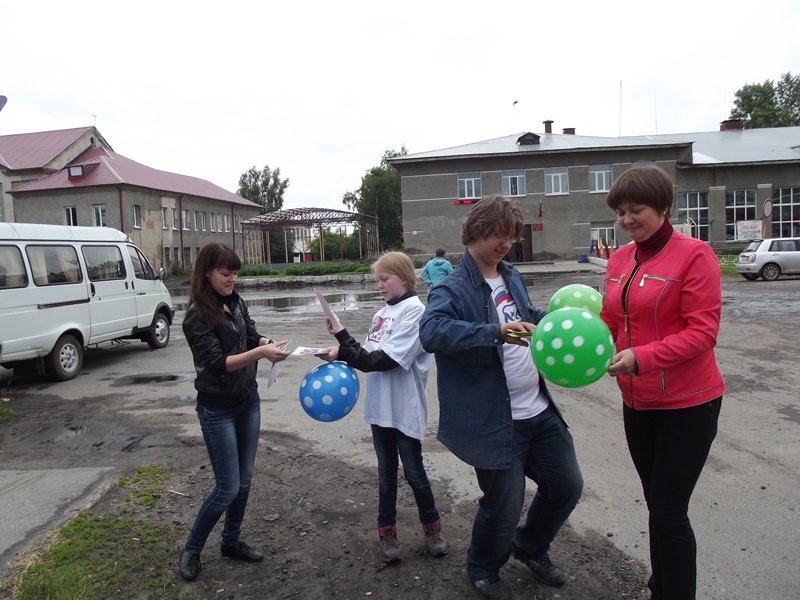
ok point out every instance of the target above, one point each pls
(313, 504)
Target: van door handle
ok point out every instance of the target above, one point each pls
(93, 290)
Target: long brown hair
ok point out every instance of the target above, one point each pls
(214, 255)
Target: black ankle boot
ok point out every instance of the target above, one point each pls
(241, 551)
(189, 565)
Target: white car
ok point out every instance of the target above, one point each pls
(769, 259)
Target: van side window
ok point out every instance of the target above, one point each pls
(12, 270)
(141, 266)
(104, 263)
(52, 265)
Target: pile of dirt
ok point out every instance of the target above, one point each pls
(314, 518)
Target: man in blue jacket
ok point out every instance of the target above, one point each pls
(436, 269)
(495, 411)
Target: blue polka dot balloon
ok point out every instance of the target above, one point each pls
(572, 347)
(329, 391)
(576, 295)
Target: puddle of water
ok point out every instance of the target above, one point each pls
(146, 378)
(284, 303)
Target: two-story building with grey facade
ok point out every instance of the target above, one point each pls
(561, 181)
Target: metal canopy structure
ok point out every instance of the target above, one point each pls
(256, 230)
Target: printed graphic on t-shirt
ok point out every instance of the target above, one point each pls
(505, 304)
(379, 326)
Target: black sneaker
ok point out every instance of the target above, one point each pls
(493, 587)
(189, 565)
(543, 568)
(241, 551)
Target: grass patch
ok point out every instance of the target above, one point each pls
(5, 411)
(97, 556)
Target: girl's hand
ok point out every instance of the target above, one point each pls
(333, 329)
(275, 352)
(624, 363)
(329, 354)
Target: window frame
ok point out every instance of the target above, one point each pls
(595, 171)
(99, 215)
(690, 203)
(467, 184)
(511, 178)
(553, 174)
(71, 214)
(137, 216)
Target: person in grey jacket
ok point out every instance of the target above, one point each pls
(436, 269)
(495, 411)
(226, 349)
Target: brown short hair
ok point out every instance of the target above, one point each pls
(648, 185)
(399, 264)
(493, 214)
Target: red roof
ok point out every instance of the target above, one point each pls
(105, 167)
(36, 150)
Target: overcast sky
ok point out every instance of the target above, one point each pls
(322, 89)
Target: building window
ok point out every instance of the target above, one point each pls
(185, 219)
(70, 215)
(604, 235)
(203, 220)
(165, 218)
(469, 185)
(740, 205)
(99, 212)
(556, 181)
(693, 209)
(513, 183)
(786, 212)
(176, 257)
(211, 223)
(137, 216)
(219, 221)
(166, 258)
(599, 178)
(187, 257)
(175, 219)
(227, 220)
(197, 220)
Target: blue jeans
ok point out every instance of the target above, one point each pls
(231, 436)
(390, 442)
(542, 450)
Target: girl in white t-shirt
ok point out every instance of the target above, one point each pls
(395, 405)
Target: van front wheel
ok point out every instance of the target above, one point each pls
(65, 360)
(159, 332)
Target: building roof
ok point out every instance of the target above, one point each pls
(36, 150)
(102, 167)
(769, 144)
(774, 144)
(548, 143)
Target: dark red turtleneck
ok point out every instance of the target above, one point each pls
(651, 246)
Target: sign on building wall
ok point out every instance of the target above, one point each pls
(748, 230)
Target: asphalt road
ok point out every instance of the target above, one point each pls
(131, 406)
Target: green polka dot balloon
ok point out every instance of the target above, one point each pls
(576, 295)
(572, 347)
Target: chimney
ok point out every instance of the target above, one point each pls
(731, 125)
(548, 126)
(569, 130)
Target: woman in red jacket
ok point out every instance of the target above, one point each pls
(662, 304)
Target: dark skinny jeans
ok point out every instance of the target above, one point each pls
(669, 449)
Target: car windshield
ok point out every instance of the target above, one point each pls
(752, 246)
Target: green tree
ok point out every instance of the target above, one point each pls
(379, 196)
(264, 187)
(769, 104)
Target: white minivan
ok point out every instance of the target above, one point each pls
(65, 288)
